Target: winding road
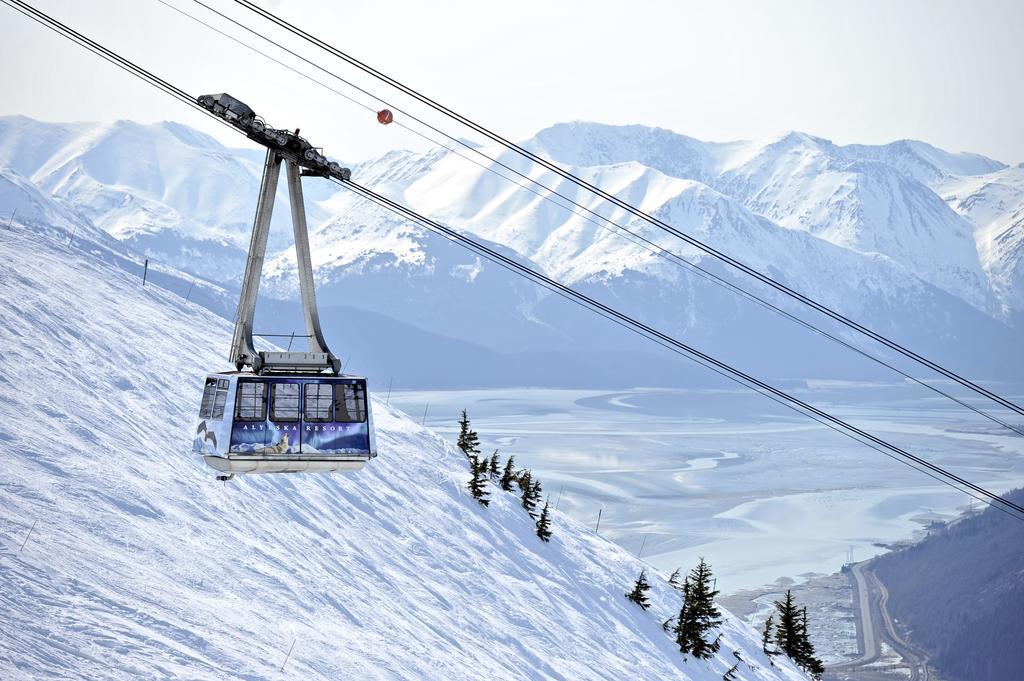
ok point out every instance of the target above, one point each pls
(874, 625)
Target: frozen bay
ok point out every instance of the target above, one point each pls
(760, 491)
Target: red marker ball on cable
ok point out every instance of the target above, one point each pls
(384, 116)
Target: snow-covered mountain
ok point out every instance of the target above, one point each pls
(23, 201)
(880, 246)
(865, 199)
(123, 559)
(994, 203)
(872, 231)
(923, 162)
(863, 205)
(165, 189)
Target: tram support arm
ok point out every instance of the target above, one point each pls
(304, 265)
(243, 351)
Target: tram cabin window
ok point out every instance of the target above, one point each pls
(220, 399)
(206, 408)
(284, 402)
(215, 396)
(350, 403)
(318, 402)
(251, 401)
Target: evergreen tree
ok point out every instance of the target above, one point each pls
(674, 581)
(508, 476)
(492, 468)
(478, 483)
(686, 626)
(544, 523)
(802, 642)
(639, 593)
(669, 624)
(526, 488)
(469, 441)
(535, 492)
(815, 667)
(525, 480)
(766, 637)
(707, 616)
(730, 674)
(792, 637)
(808, 660)
(787, 634)
(699, 614)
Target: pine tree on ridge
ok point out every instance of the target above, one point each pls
(786, 634)
(492, 467)
(535, 493)
(699, 614)
(544, 522)
(525, 481)
(793, 639)
(508, 476)
(639, 593)
(478, 483)
(469, 441)
(766, 638)
(685, 628)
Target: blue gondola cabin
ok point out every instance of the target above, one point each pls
(284, 424)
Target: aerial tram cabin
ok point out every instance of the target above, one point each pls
(294, 411)
(250, 423)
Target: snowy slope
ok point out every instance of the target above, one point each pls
(24, 206)
(994, 203)
(23, 201)
(139, 565)
(366, 257)
(166, 189)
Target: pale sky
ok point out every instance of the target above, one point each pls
(948, 73)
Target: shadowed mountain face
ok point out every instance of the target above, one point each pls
(960, 592)
(912, 241)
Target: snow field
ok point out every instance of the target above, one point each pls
(140, 565)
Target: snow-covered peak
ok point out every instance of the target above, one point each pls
(596, 144)
(582, 143)
(863, 204)
(994, 204)
(923, 162)
(163, 188)
(794, 139)
(162, 163)
(547, 232)
(27, 144)
(871, 199)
